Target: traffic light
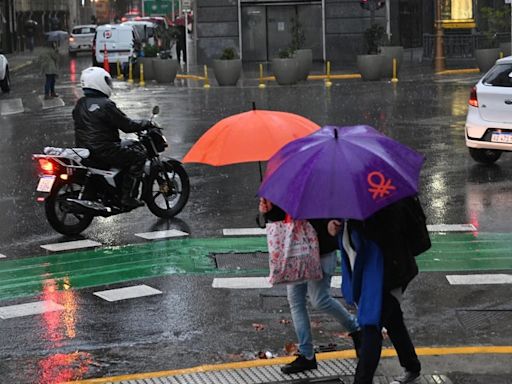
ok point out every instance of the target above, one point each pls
(369, 4)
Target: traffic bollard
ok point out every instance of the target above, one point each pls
(206, 81)
(130, 73)
(394, 79)
(261, 82)
(142, 83)
(328, 82)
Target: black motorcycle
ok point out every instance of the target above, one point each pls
(75, 190)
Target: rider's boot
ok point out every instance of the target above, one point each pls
(129, 190)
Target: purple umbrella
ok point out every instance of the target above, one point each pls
(342, 172)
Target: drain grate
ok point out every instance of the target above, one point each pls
(237, 261)
(485, 320)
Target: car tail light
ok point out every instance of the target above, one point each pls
(473, 99)
(46, 166)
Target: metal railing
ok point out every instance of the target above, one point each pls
(459, 45)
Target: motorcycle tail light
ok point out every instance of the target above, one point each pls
(46, 166)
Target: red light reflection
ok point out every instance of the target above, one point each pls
(64, 367)
(72, 69)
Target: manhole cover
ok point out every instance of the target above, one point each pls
(237, 261)
(485, 320)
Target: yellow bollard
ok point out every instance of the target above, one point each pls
(262, 82)
(142, 83)
(394, 79)
(501, 54)
(328, 82)
(206, 81)
(130, 73)
(119, 71)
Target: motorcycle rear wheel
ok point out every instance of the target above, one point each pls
(165, 200)
(59, 216)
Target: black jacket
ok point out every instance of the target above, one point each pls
(98, 121)
(400, 231)
(326, 242)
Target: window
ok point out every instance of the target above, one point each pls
(83, 31)
(499, 76)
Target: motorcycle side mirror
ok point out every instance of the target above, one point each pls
(156, 110)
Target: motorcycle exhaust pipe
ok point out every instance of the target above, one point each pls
(90, 207)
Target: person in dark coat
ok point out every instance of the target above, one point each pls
(378, 263)
(97, 124)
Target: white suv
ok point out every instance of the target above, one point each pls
(5, 81)
(489, 119)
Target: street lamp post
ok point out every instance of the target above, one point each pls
(439, 59)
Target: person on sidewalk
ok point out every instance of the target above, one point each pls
(49, 61)
(377, 266)
(318, 292)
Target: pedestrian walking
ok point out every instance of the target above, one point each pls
(49, 64)
(378, 263)
(318, 292)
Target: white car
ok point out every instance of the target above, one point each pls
(489, 119)
(5, 81)
(80, 38)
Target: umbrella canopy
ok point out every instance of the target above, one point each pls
(250, 136)
(56, 36)
(348, 172)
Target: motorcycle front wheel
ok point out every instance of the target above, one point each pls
(167, 190)
(58, 214)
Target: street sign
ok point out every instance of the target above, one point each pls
(158, 7)
(186, 5)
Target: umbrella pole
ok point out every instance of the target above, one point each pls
(261, 172)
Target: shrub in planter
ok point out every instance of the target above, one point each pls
(227, 68)
(303, 55)
(371, 65)
(285, 67)
(150, 53)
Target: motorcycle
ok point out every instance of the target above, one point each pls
(75, 190)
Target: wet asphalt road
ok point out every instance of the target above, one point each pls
(426, 115)
(182, 329)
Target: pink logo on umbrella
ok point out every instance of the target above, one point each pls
(380, 187)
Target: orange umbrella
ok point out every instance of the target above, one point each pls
(250, 136)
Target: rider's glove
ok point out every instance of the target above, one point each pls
(145, 124)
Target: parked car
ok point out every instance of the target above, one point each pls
(145, 29)
(5, 81)
(121, 41)
(489, 119)
(80, 38)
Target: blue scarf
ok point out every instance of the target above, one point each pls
(363, 285)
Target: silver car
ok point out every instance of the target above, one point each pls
(5, 81)
(80, 38)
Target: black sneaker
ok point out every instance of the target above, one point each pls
(300, 364)
(406, 377)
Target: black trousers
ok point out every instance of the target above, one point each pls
(393, 320)
(131, 157)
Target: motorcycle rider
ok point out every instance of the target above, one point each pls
(97, 124)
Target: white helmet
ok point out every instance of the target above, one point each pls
(98, 79)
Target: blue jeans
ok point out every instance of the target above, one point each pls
(321, 299)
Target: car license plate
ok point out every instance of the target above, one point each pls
(501, 138)
(45, 183)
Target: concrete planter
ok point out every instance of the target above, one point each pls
(370, 66)
(305, 58)
(485, 58)
(227, 72)
(285, 70)
(147, 62)
(390, 53)
(165, 70)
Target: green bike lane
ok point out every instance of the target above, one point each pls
(104, 266)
